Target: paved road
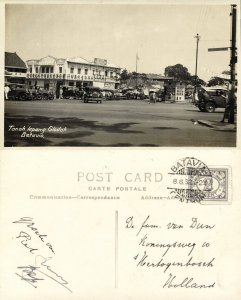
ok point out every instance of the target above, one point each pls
(112, 123)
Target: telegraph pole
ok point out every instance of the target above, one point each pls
(233, 61)
(137, 58)
(198, 38)
(229, 110)
(195, 86)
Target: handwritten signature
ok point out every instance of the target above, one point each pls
(30, 224)
(41, 270)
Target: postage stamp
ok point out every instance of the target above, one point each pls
(193, 181)
(220, 192)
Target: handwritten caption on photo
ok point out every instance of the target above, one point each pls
(36, 132)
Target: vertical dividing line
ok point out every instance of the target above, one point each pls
(116, 249)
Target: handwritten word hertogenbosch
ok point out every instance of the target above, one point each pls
(30, 224)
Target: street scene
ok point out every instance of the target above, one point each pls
(163, 90)
(120, 123)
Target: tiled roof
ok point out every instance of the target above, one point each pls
(13, 60)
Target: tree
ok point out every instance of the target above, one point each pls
(196, 81)
(177, 71)
(216, 81)
(124, 75)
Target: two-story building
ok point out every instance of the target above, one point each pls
(51, 73)
(15, 69)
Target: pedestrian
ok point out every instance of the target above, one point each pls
(61, 93)
(153, 97)
(230, 104)
(103, 93)
(150, 97)
(6, 91)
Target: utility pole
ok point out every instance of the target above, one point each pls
(198, 38)
(233, 61)
(137, 58)
(195, 87)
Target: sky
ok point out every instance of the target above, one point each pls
(162, 35)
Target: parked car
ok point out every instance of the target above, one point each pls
(38, 93)
(211, 98)
(93, 94)
(72, 93)
(119, 95)
(19, 92)
(107, 94)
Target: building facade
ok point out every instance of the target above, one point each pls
(15, 69)
(174, 90)
(51, 73)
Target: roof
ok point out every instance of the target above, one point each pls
(158, 77)
(216, 87)
(13, 60)
(47, 61)
(111, 65)
(79, 60)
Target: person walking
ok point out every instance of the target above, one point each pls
(150, 97)
(154, 97)
(61, 93)
(6, 91)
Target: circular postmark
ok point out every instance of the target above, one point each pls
(191, 179)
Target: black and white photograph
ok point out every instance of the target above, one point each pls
(120, 75)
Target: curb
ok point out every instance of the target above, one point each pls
(218, 125)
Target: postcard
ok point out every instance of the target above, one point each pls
(120, 157)
(160, 224)
(160, 74)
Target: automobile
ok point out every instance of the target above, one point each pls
(210, 98)
(109, 95)
(72, 93)
(39, 93)
(119, 95)
(93, 94)
(19, 92)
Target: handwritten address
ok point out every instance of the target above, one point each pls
(172, 256)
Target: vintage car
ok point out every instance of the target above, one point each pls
(134, 94)
(38, 93)
(19, 92)
(210, 98)
(119, 95)
(93, 94)
(72, 93)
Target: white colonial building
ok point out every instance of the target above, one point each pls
(51, 73)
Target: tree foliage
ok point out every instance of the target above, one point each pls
(124, 75)
(177, 71)
(216, 81)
